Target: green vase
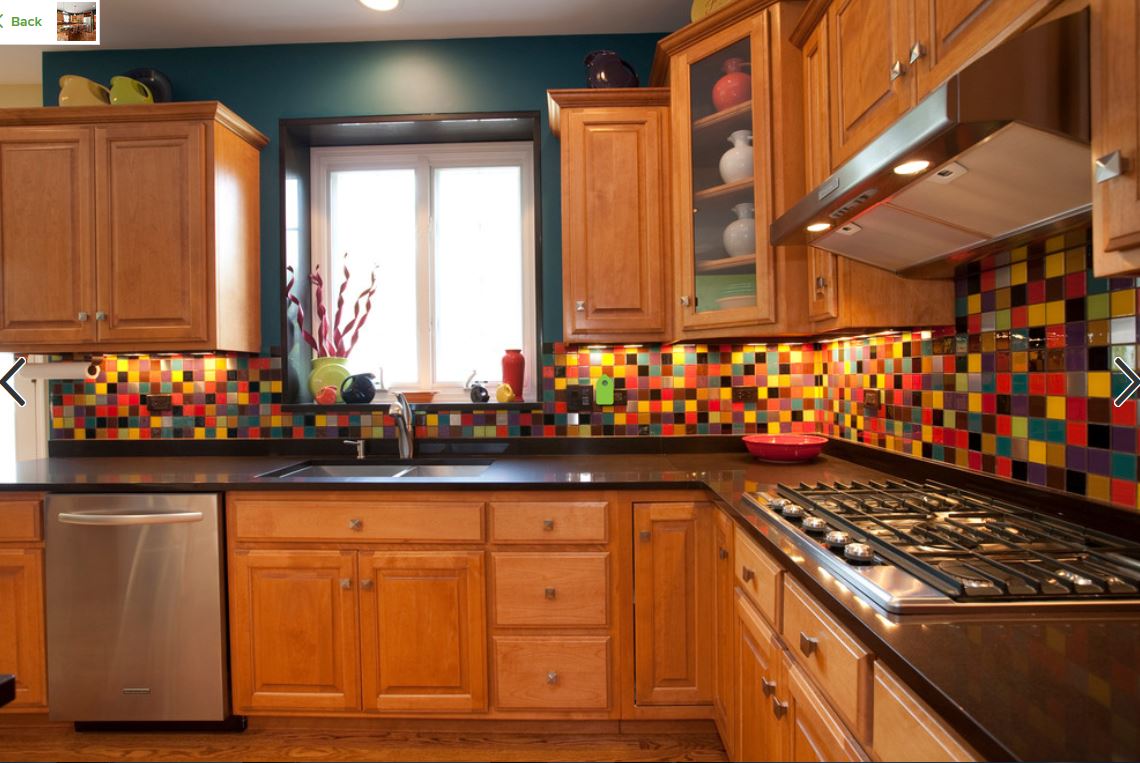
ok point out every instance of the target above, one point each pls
(328, 372)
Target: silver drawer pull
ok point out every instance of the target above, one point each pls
(779, 709)
(808, 645)
(551, 593)
(366, 584)
(118, 520)
(768, 686)
(552, 677)
(547, 525)
(346, 583)
(1111, 166)
(356, 524)
(747, 574)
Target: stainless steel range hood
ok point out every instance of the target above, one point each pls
(1007, 140)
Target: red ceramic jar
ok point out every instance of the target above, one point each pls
(734, 87)
(514, 365)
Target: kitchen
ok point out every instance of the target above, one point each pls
(854, 225)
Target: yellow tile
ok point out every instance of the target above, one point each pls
(1096, 486)
(974, 363)
(974, 303)
(1123, 302)
(975, 399)
(1018, 273)
(133, 433)
(1037, 315)
(1055, 453)
(1037, 451)
(1054, 244)
(1055, 312)
(560, 383)
(1055, 407)
(1055, 265)
(1099, 384)
(607, 358)
(1019, 254)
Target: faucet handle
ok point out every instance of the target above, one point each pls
(359, 447)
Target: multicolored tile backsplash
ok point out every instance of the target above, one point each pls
(1020, 387)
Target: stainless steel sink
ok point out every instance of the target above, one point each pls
(372, 472)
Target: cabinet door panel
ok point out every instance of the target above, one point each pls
(822, 287)
(47, 264)
(759, 733)
(151, 247)
(724, 662)
(867, 38)
(815, 732)
(673, 624)
(615, 206)
(294, 635)
(1115, 38)
(22, 625)
(423, 632)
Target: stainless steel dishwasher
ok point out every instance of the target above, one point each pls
(135, 608)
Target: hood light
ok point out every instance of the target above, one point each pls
(912, 167)
(818, 227)
(381, 5)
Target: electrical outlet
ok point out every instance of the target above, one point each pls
(157, 403)
(621, 397)
(872, 399)
(745, 394)
(580, 398)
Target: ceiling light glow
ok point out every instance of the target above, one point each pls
(381, 5)
(818, 227)
(912, 167)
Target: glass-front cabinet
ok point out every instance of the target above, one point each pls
(735, 133)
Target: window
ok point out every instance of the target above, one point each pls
(449, 230)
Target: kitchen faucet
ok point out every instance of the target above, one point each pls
(401, 411)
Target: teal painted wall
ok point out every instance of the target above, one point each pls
(267, 83)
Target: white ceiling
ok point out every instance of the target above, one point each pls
(203, 23)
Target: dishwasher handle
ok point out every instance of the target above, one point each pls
(120, 520)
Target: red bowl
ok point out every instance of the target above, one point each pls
(784, 448)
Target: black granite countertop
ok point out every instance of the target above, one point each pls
(1049, 685)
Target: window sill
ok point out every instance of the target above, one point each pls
(467, 407)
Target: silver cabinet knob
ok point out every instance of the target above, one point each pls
(808, 645)
(356, 524)
(366, 584)
(547, 525)
(552, 677)
(346, 583)
(722, 553)
(644, 536)
(767, 686)
(580, 305)
(100, 315)
(1111, 166)
(551, 593)
(820, 283)
(747, 573)
(779, 709)
(917, 51)
(684, 301)
(897, 70)
(82, 317)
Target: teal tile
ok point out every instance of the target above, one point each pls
(1124, 466)
(1004, 447)
(1020, 384)
(1055, 431)
(1037, 429)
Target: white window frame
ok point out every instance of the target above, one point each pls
(423, 158)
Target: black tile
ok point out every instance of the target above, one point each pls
(1075, 481)
(1098, 436)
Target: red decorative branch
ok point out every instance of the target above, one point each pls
(292, 299)
(330, 339)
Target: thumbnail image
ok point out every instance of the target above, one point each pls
(75, 22)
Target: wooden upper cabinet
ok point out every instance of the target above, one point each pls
(423, 631)
(615, 193)
(47, 285)
(870, 84)
(673, 614)
(294, 638)
(823, 290)
(129, 229)
(951, 33)
(1115, 37)
(150, 245)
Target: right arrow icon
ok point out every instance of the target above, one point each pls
(1133, 383)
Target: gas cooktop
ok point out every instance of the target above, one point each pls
(922, 547)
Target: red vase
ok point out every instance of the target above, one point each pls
(734, 87)
(514, 365)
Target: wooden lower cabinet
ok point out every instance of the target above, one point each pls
(294, 637)
(22, 624)
(673, 614)
(563, 672)
(724, 662)
(811, 729)
(423, 634)
(756, 729)
(906, 729)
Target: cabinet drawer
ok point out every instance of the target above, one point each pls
(20, 520)
(905, 729)
(758, 575)
(359, 520)
(831, 655)
(551, 589)
(539, 522)
(552, 672)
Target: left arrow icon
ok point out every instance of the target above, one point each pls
(15, 369)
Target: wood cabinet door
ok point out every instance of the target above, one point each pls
(673, 614)
(615, 212)
(871, 85)
(423, 631)
(759, 730)
(723, 659)
(151, 248)
(949, 34)
(47, 237)
(823, 302)
(293, 630)
(1115, 36)
(22, 624)
(814, 731)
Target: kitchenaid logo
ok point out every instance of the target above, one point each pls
(49, 22)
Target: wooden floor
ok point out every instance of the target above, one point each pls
(61, 743)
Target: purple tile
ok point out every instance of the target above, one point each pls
(1076, 457)
(1036, 474)
(1098, 461)
(1019, 405)
(1076, 358)
(1124, 438)
(1075, 334)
